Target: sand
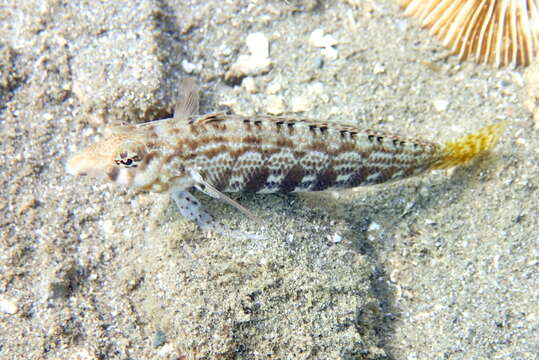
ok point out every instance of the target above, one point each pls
(443, 266)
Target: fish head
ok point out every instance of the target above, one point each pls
(120, 158)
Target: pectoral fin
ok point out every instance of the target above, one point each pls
(208, 189)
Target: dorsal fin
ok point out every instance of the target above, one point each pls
(188, 103)
(314, 124)
(208, 118)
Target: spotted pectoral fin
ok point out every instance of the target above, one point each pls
(191, 209)
(208, 189)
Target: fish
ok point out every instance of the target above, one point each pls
(219, 153)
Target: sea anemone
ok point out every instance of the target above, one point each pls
(496, 32)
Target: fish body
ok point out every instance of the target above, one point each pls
(260, 154)
(265, 154)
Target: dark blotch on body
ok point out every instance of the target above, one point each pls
(358, 178)
(324, 180)
(257, 180)
(292, 179)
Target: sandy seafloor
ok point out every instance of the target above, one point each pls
(444, 266)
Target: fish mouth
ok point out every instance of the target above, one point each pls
(72, 167)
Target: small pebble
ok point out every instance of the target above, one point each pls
(316, 89)
(258, 45)
(249, 85)
(8, 306)
(320, 40)
(440, 104)
(246, 65)
(27, 204)
(378, 69)
(316, 37)
(189, 67)
(374, 226)
(274, 88)
(108, 227)
(318, 62)
(168, 351)
(330, 53)
(275, 104)
(335, 238)
(521, 141)
(159, 338)
(301, 103)
(402, 25)
(374, 231)
(325, 42)
(249, 65)
(504, 83)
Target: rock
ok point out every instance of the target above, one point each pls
(250, 65)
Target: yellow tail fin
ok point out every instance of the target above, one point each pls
(466, 148)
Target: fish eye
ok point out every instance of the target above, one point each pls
(128, 159)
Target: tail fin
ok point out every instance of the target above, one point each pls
(468, 147)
